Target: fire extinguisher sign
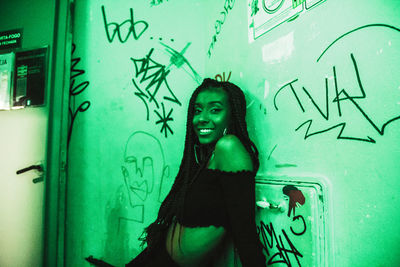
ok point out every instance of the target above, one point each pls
(10, 39)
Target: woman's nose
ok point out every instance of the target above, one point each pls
(203, 117)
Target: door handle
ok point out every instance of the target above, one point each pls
(33, 167)
(38, 168)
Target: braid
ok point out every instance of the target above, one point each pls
(189, 168)
(238, 125)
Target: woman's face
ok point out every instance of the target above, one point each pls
(211, 115)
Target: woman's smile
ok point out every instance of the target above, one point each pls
(205, 131)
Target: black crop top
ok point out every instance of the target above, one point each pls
(226, 199)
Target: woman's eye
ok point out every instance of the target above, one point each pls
(197, 111)
(215, 110)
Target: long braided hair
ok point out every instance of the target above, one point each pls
(189, 168)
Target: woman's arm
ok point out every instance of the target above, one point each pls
(238, 186)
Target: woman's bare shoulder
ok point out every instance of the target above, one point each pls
(231, 155)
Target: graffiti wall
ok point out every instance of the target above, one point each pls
(323, 107)
(323, 101)
(134, 65)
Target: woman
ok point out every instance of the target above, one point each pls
(212, 200)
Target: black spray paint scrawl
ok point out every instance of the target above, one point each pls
(295, 196)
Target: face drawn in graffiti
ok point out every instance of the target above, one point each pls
(144, 171)
(296, 198)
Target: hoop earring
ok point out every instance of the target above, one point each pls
(225, 131)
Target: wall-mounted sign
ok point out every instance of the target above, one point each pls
(6, 79)
(264, 15)
(11, 39)
(30, 78)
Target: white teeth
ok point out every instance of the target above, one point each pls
(205, 131)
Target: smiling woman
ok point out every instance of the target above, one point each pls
(212, 202)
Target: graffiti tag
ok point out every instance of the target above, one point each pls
(75, 89)
(281, 242)
(228, 5)
(124, 29)
(155, 75)
(341, 97)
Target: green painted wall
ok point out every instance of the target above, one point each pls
(323, 103)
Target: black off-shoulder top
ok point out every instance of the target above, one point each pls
(226, 199)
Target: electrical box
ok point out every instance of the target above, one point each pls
(292, 222)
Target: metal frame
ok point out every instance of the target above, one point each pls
(56, 182)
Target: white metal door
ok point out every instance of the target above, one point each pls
(23, 144)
